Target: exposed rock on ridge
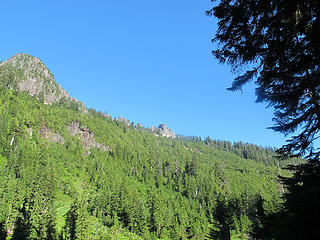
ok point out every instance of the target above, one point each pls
(124, 120)
(24, 72)
(164, 131)
(75, 129)
(86, 136)
(27, 73)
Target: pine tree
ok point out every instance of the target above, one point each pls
(278, 43)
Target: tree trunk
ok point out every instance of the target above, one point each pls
(224, 233)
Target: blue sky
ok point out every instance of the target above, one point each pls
(147, 60)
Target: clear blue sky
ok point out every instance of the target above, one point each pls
(147, 60)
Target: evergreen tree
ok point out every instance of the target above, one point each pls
(278, 41)
(302, 208)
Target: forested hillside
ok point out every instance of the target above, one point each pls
(71, 173)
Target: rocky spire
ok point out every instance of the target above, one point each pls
(164, 131)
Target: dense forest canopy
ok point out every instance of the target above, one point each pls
(72, 173)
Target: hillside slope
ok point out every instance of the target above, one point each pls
(71, 173)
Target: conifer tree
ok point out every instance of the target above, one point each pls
(277, 42)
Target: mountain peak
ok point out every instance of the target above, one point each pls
(23, 56)
(25, 72)
(164, 131)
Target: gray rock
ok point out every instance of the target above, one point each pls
(86, 136)
(32, 75)
(124, 120)
(46, 132)
(164, 131)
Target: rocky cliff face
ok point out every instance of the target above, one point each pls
(27, 73)
(164, 131)
(46, 132)
(86, 136)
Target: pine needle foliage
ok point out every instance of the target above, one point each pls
(277, 42)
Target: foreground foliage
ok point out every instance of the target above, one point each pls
(276, 42)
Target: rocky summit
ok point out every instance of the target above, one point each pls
(24, 72)
(164, 131)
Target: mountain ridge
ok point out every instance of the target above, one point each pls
(32, 75)
(66, 174)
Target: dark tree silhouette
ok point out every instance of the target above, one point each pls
(71, 219)
(259, 218)
(22, 226)
(278, 42)
(301, 211)
(3, 233)
(223, 212)
(302, 208)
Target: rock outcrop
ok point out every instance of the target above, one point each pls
(27, 73)
(46, 132)
(86, 136)
(124, 120)
(164, 131)
(75, 129)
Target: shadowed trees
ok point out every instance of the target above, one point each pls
(276, 43)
